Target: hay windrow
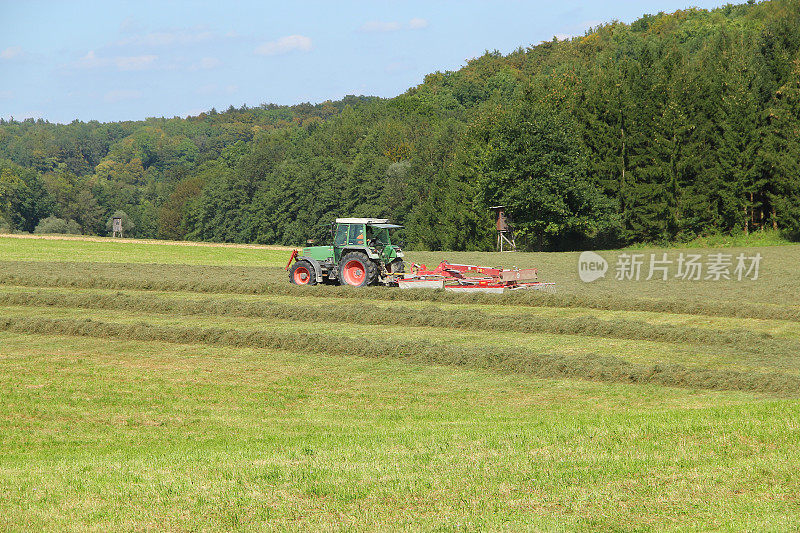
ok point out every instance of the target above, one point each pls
(528, 362)
(253, 280)
(742, 340)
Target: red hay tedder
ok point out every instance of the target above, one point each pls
(472, 278)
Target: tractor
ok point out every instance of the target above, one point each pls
(362, 254)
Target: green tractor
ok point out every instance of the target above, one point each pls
(362, 254)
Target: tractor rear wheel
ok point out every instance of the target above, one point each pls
(357, 270)
(302, 273)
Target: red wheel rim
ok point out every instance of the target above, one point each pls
(354, 273)
(302, 276)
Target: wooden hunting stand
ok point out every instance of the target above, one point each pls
(505, 230)
(116, 227)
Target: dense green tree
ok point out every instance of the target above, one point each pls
(533, 165)
(23, 198)
(780, 159)
(53, 224)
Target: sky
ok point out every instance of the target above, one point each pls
(111, 61)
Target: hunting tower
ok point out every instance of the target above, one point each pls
(505, 230)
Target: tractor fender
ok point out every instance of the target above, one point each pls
(366, 250)
(316, 265)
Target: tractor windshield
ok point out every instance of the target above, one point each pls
(341, 235)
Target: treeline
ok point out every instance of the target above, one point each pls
(674, 126)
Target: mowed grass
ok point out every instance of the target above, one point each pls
(102, 434)
(102, 250)
(189, 389)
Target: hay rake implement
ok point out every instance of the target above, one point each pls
(472, 278)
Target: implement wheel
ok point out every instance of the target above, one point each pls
(357, 270)
(302, 273)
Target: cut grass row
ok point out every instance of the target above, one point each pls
(773, 327)
(266, 281)
(739, 340)
(518, 360)
(645, 352)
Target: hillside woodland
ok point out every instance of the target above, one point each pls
(674, 126)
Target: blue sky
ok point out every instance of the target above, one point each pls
(131, 60)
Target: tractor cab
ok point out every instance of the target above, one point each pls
(372, 235)
(362, 254)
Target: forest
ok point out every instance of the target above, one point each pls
(672, 127)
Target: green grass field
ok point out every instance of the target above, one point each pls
(166, 387)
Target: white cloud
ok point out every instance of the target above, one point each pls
(6, 94)
(91, 60)
(285, 45)
(379, 26)
(11, 52)
(168, 38)
(121, 95)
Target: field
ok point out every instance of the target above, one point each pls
(155, 386)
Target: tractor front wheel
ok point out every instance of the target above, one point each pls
(302, 273)
(397, 266)
(357, 270)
